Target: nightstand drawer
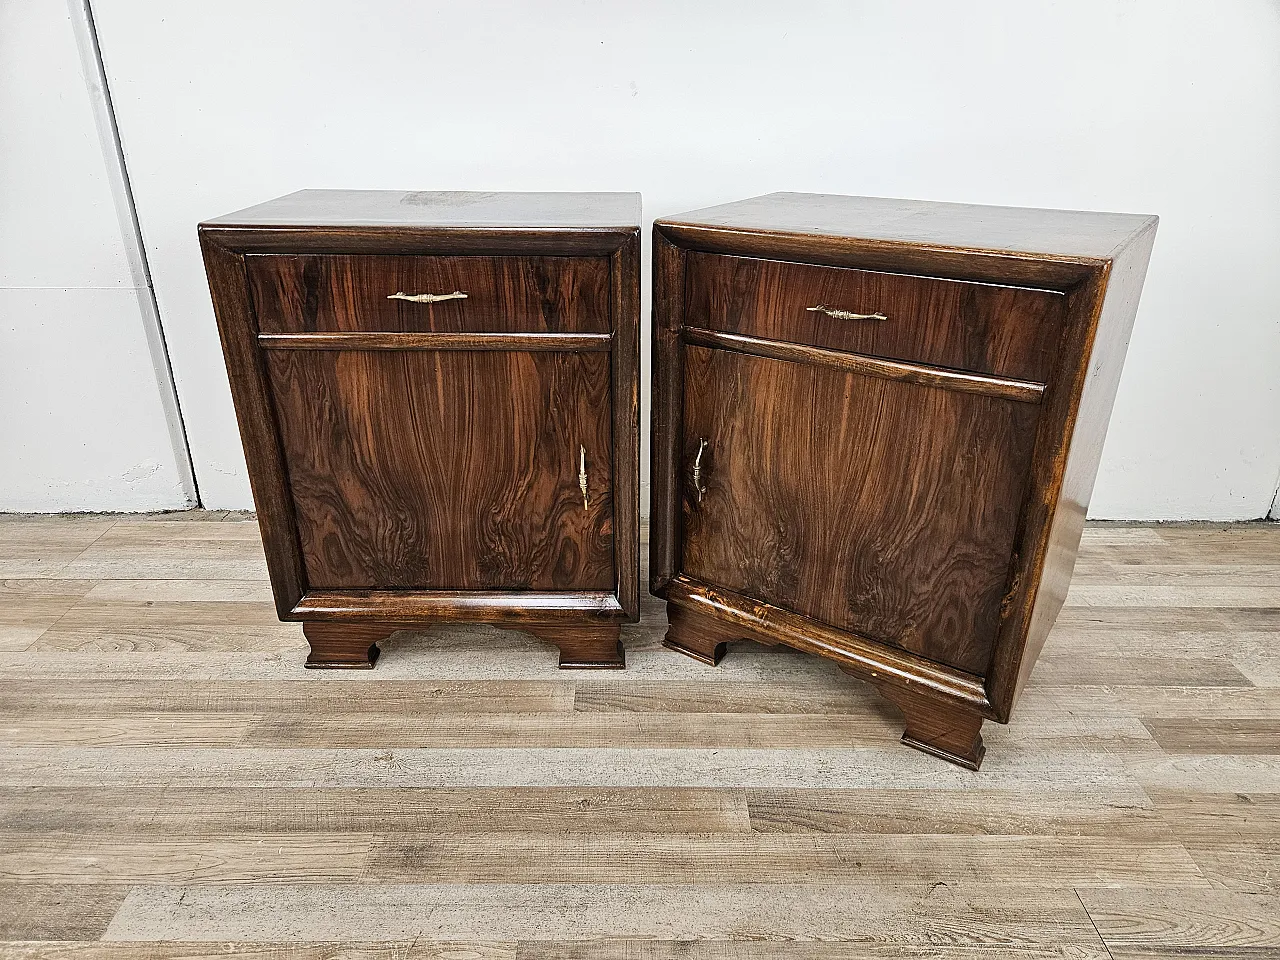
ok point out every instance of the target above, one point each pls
(411, 294)
(1001, 330)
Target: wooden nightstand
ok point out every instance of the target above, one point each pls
(438, 397)
(877, 425)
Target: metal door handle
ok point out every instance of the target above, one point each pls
(697, 470)
(845, 314)
(427, 297)
(582, 476)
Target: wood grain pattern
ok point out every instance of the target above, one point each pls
(624, 292)
(421, 461)
(448, 470)
(435, 341)
(809, 858)
(596, 647)
(159, 810)
(198, 779)
(1027, 298)
(749, 619)
(541, 607)
(940, 729)
(313, 293)
(1000, 330)
(980, 384)
(666, 398)
(412, 949)
(883, 508)
(251, 393)
(352, 646)
(1104, 310)
(56, 911)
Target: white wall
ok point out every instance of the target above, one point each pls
(1148, 106)
(81, 421)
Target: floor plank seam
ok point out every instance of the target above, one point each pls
(1101, 939)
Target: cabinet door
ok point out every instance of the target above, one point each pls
(456, 470)
(885, 508)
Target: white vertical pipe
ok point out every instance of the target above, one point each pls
(131, 232)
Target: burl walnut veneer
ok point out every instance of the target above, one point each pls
(877, 425)
(438, 397)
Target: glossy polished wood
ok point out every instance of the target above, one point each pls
(740, 617)
(586, 648)
(422, 460)
(978, 383)
(1009, 332)
(345, 646)
(879, 507)
(448, 470)
(435, 341)
(506, 608)
(318, 293)
(915, 483)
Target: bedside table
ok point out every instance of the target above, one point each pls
(877, 425)
(438, 398)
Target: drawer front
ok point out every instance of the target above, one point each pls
(343, 293)
(448, 470)
(1004, 331)
(884, 508)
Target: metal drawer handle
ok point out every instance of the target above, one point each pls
(428, 297)
(582, 476)
(697, 470)
(845, 314)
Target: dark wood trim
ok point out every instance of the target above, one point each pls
(1101, 278)
(624, 284)
(980, 383)
(861, 656)
(584, 648)
(345, 646)
(251, 395)
(700, 637)
(339, 621)
(950, 733)
(459, 606)
(1044, 484)
(951, 263)
(532, 342)
(452, 240)
(667, 417)
(1065, 465)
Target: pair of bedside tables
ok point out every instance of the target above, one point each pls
(876, 424)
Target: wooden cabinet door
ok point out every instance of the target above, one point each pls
(885, 508)
(450, 470)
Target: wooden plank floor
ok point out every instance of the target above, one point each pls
(174, 784)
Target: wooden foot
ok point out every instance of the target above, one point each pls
(585, 648)
(344, 646)
(943, 730)
(697, 636)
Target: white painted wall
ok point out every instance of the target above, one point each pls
(81, 422)
(1149, 106)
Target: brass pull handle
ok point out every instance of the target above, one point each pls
(582, 476)
(427, 297)
(845, 314)
(697, 470)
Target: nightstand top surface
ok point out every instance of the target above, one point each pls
(442, 208)
(1062, 233)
